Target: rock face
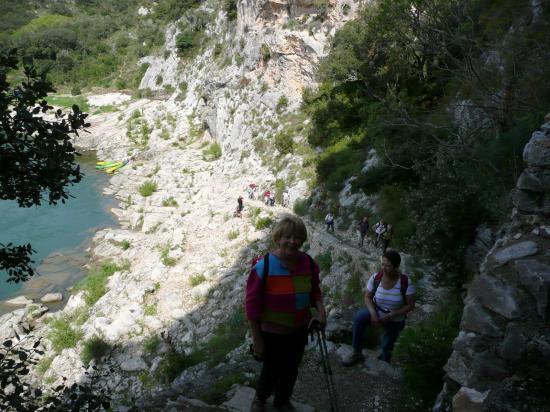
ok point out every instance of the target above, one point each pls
(501, 355)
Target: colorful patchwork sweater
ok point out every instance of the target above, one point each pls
(282, 301)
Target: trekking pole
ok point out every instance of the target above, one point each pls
(321, 339)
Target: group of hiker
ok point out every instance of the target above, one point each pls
(383, 231)
(268, 198)
(282, 288)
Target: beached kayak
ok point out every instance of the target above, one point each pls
(116, 167)
(105, 165)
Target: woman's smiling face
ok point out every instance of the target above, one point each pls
(289, 245)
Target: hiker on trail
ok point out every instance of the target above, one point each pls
(266, 197)
(272, 199)
(389, 297)
(281, 288)
(329, 220)
(286, 199)
(385, 237)
(250, 190)
(379, 229)
(362, 229)
(240, 207)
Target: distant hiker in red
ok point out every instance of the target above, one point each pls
(266, 197)
(282, 288)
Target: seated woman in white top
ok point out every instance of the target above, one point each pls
(389, 297)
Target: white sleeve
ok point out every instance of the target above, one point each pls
(370, 283)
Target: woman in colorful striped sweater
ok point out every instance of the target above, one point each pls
(280, 291)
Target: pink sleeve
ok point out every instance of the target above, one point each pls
(316, 295)
(253, 297)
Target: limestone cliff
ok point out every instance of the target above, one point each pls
(501, 356)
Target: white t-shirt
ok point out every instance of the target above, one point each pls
(391, 299)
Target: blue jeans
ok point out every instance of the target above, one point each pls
(391, 331)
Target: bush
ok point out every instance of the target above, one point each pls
(151, 344)
(164, 255)
(301, 207)
(185, 42)
(94, 348)
(125, 244)
(171, 366)
(213, 152)
(324, 260)
(95, 284)
(282, 103)
(230, 7)
(150, 310)
(265, 52)
(284, 143)
(63, 335)
(170, 202)
(232, 234)
(263, 222)
(197, 279)
(148, 188)
(431, 340)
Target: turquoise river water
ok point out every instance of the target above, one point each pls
(59, 234)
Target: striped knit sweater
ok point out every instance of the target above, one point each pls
(282, 301)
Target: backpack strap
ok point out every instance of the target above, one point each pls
(403, 279)
(266, 268)
(404, 287)
(376, 282)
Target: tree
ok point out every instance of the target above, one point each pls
(38, 158)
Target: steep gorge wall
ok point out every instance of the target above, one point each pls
(501, 355)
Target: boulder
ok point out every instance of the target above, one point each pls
(514, 343)
(19, 301)
(537, 151)
(535, 276)
(495, 295)
(526, 201)
(469, 400)
(475, 318)
(515, 251)
(51, 298)
(458, 368)
(528, 181)
(133, 365)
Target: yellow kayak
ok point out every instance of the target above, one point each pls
(114, 168)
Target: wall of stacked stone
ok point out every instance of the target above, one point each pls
(501, 357)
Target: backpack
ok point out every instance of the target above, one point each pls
(404, 280)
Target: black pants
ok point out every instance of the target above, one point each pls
(282, 356)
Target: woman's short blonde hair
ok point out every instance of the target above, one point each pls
(289, 225)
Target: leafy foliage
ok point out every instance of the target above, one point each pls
(431, 340)
(412, 79)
